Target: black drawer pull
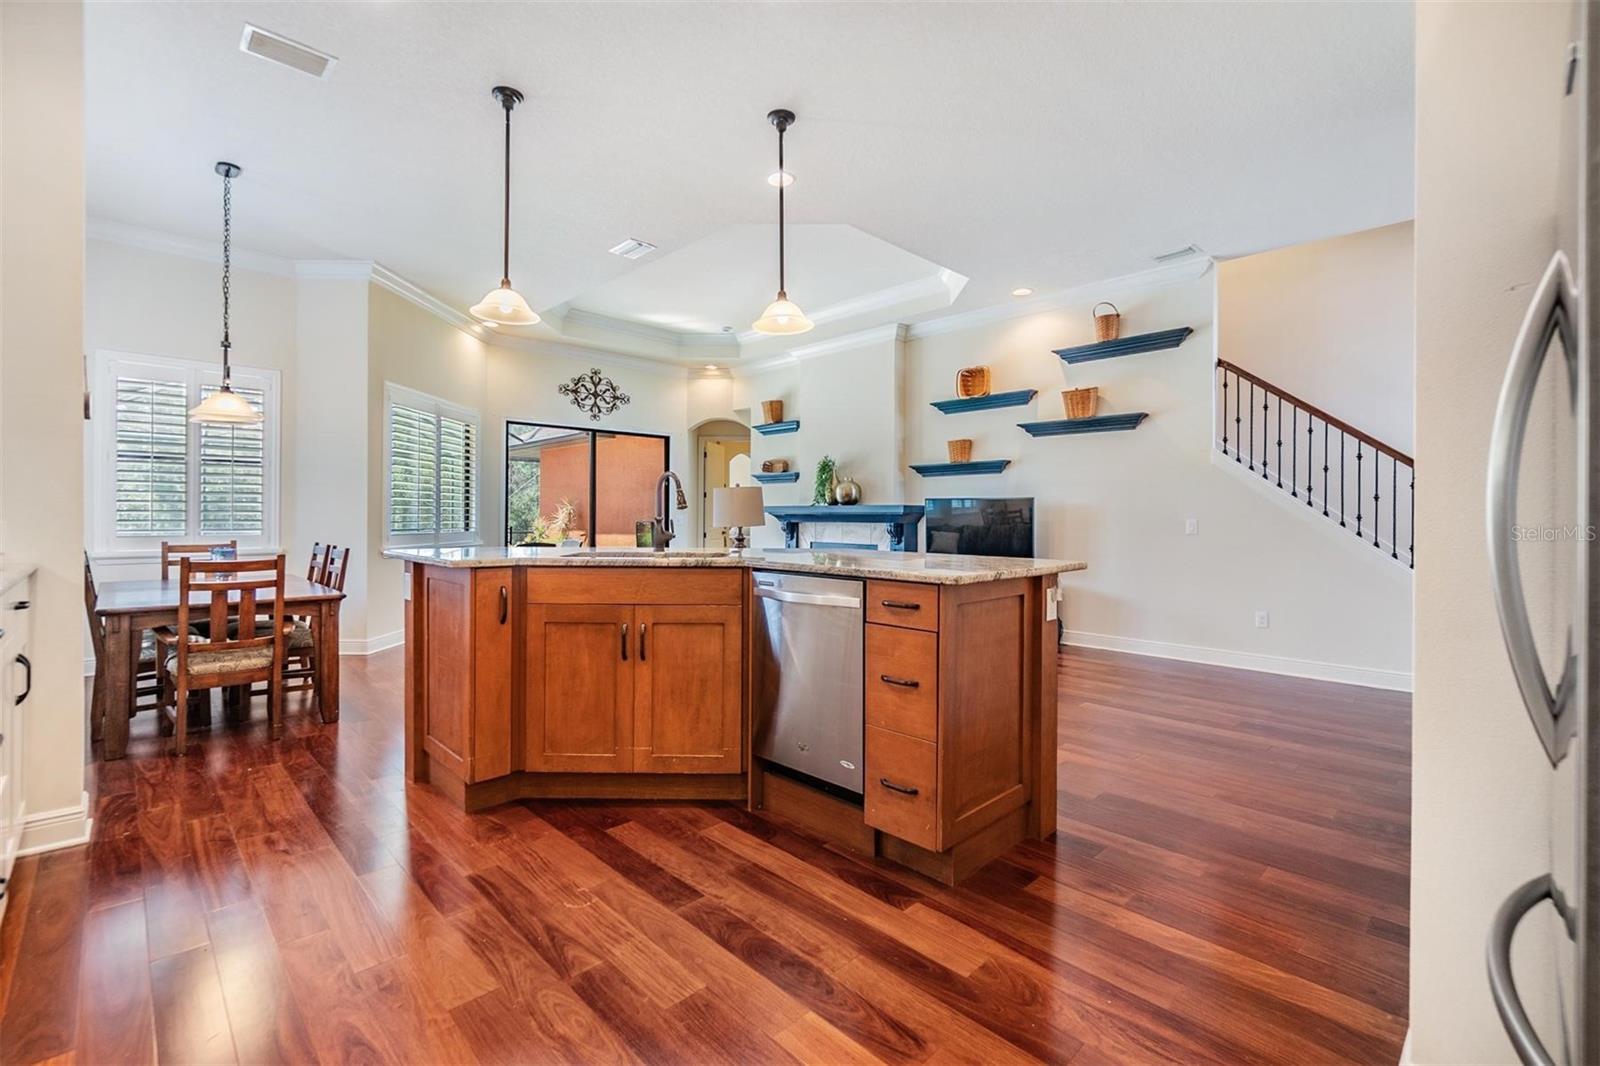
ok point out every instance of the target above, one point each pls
(904, 790)
(901, 681)
(901, 605)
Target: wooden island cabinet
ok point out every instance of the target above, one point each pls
(534, 675)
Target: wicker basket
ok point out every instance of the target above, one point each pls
(960, 450)
(1081, 403)
(772, 411)
(774, 466)
(1107, 327)
(972, 381)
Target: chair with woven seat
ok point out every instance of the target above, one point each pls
(147, 688)
(302, 642)
(232, 591)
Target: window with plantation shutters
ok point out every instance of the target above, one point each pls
(156, 476)
(432, 469)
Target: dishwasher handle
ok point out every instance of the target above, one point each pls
(814, 599)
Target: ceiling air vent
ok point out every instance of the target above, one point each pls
(1178, 253)
(633, 249)
(278, 49)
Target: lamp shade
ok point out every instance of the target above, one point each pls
(737, 506)
(225, 406)
(504, 306)
(782, 316)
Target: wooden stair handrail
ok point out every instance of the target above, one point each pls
(1312, 409)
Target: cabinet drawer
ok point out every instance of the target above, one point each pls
(903, 603)
(903, 680)
(901, 800)
(636, 585)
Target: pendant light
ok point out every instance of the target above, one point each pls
(782, 315)
(225, 405)
(505, 306)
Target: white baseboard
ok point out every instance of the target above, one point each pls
(65, 827)
(1397, 680)
(382, 642)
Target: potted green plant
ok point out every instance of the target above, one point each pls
(823, 488)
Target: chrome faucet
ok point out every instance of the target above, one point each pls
(661, 531)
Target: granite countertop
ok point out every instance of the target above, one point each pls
(894, 566)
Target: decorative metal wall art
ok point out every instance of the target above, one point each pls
(594, 393)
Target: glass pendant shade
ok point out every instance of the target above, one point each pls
(782, 316)
(225, 406)
(504, 306)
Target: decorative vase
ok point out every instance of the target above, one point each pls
(848, 492)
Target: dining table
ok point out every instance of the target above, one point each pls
(128, 608)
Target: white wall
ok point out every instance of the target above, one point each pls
(1330, 321)
(41, 388)
(1488, 104)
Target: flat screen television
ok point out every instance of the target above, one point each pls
(972, 526)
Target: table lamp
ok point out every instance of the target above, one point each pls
(736, 508)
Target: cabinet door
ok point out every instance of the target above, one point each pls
(687, 690)
(580, 688)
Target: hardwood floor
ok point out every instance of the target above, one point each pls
(1229, 884)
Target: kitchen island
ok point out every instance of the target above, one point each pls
(627, 674)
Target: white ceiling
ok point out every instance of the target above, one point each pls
(1046, 145)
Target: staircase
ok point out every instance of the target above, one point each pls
(1349, 476)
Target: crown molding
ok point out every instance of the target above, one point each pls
(101, 229)
(1062, 299)
(672, 338)
(945, 283)
(334, 269)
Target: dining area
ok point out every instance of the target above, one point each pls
(251, 630)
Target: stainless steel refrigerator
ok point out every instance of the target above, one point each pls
(1546, 573)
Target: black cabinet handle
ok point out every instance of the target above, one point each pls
(901, 605)
(505, 605)
(901, 681)
(28, 687)
(904, 790)
(624, 642)
(644, 627)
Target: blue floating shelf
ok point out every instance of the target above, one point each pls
(1099, 424)
(986, 403)
(777, 479)
(772, 429)
(983, 466)
(1144, 342)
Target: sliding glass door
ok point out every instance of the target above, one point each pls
(565, 484)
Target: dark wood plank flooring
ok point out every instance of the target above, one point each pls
(1228, 884)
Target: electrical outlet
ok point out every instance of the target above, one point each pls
(1191, 527)
(1263, 620)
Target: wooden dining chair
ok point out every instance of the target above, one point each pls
(171, 553)
(147, 688)
(301, 669)
(319, 561)
(226, 656)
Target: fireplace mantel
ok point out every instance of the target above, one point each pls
(901, 520)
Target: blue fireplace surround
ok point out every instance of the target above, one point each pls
(901, 519)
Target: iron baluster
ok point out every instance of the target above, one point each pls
(1411, 548)
(1224, 410)
(1358, 488)
(1280, 445)
(1266, 403)
(1377, 506)
(1294, 449)
(1341, 479)
(1252, 425)
(1311, 451)
(1237, 436)
(1394, 509)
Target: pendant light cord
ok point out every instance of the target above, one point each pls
(505, 228)
(227, 271)
(782, 287)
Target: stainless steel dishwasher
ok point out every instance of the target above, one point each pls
(807, 676)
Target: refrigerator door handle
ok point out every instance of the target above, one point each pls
(1551, 314)
(1502, 986)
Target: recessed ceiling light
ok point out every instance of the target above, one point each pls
(712, 366)
(277, 48)
(780, 179)
(1022, 292)
(633, 249)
